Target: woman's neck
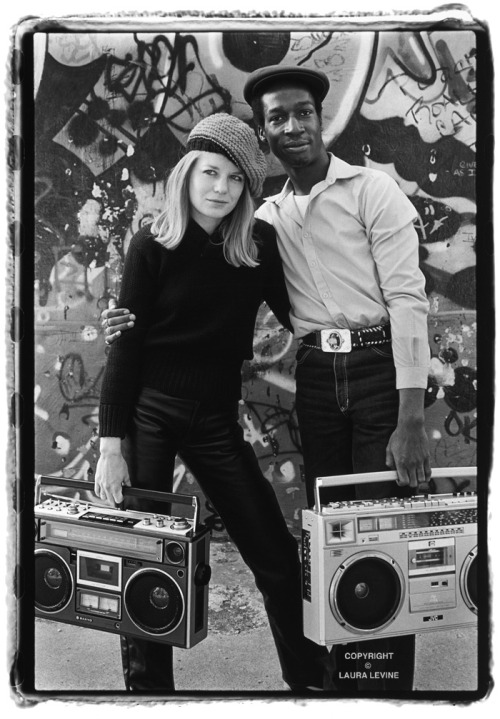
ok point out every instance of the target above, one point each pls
(209, 224)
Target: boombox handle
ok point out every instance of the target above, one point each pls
(390, 475)
(170, 497)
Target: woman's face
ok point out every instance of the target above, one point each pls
(215, 186)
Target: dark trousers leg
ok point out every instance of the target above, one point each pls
(150, 451)
(147, 666)
(347, 408)
(228, 471)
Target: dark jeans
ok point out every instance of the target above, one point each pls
(347, 408)
(210, 442)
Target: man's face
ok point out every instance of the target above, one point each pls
(292, 126)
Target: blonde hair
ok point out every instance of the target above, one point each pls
(239, 245)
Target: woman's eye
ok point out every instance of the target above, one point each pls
(238, 178)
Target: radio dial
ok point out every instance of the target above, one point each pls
(180, 523)
(160, 522)
(202, 575)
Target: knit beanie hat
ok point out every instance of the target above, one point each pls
(229, 136)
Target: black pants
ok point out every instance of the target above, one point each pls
(347, 407)
(211, 444)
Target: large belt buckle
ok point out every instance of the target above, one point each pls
(336, 340)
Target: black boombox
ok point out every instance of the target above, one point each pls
(133, 573)
(388, 567)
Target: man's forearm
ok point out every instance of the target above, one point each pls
(411, 405)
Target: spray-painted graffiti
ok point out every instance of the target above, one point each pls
(112, 115)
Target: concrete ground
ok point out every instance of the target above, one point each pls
(237, 656)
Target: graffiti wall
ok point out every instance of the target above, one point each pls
(112, 113)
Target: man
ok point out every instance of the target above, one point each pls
(350, 257)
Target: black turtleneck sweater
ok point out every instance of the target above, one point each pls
(195, 319)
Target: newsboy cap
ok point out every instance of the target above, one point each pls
(258, 79)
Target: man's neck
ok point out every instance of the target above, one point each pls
(303, 179)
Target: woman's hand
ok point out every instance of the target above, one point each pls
(111, 471)
(115, 321)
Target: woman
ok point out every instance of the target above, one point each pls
(194, 280)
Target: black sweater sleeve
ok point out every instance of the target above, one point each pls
(274, 290)
(121, 377)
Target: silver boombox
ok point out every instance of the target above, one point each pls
(388, 567)
(122, 571)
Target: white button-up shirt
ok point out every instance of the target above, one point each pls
(352, 261)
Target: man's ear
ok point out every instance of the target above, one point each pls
(261, 134)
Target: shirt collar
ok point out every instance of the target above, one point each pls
(337, 170)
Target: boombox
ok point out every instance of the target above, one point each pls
(134, 573)
(388, 567)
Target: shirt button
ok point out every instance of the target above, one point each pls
(305, 235)
(313, 264)
(326, 295)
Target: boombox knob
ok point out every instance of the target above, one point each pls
(202, 575)
(180, 523)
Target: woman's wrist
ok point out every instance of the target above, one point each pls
(110, 445)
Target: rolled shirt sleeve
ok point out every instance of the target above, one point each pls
(394, 246)
(403, 287)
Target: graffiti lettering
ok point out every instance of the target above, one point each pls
(144, 75)
(455, 426)
(268, 419)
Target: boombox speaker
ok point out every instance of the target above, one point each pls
(388, 567)
(122, 571)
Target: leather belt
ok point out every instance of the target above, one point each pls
(344, 340)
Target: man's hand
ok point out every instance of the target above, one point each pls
(111, 471)
(115, 321)
(408, 448)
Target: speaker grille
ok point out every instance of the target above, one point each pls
(366, 592)
(175, 552)
(154, 601)
(53, 582)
